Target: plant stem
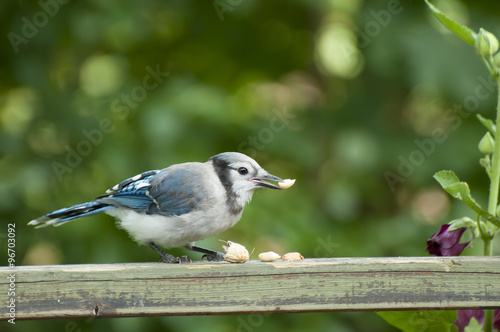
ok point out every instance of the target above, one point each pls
(495, 168)
(493, 202)
(488, 320)
(488, 248)
(488, 314)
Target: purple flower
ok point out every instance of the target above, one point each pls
(464, 317)
(445, 243)
(496, 320)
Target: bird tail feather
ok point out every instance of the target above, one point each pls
(62, 216)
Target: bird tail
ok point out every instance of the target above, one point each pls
(62, 216)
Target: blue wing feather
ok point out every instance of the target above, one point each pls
(172, 191)
(131, 193)
(177, 191)
(133, 182)
(61, 216)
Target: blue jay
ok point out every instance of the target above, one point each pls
(177, 205)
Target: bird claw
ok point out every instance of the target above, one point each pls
(184, 259)
(170, 259)
(218, 257)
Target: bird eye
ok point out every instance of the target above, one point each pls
(242, 170)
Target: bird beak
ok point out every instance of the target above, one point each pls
(259, 181)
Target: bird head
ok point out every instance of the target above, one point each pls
(241, 176)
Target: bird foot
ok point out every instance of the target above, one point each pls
(217, 257)
(170, 259)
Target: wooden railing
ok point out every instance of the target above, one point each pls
(310, 285)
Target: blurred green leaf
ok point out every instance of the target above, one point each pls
(459, 29)
(421, 321)
(489, 124)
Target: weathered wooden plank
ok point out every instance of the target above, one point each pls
(142, 289)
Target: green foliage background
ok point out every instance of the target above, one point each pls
(365, 86)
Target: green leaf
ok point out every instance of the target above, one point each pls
(452, 184)
(459, 29)
(421, 321)
(486, 163)
(474, 326)
(486, 144)
(489, 124)
(460, 190)
(486, 43)
(446, 178)
(467, 222)
(462, 222)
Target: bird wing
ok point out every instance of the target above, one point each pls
(130, 193)
(172, 191)
(178, 190)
